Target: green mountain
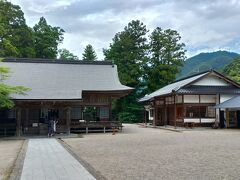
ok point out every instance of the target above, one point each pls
(232, 70)
(204, 61)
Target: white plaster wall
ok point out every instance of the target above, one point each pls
(208, 98)
(207, 120)
(179, 99)
(217, 110)
(211, 81)
(149, 114)
(195, 120)
(224, 97)
(191, 99)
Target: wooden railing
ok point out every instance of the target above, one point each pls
(7, 129)
(96, 126)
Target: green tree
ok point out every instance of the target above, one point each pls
(167, 54)
(47, 39)
(89, 53)
(232, 70)
(16, 38)
(65, 54)
(128, 51)
(6, 91)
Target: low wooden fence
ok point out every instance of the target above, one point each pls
(7, 130)
(96, 126)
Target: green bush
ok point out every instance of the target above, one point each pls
(127, 117)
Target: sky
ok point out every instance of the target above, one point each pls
(204, 25)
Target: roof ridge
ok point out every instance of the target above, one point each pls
(190, 76)
(55, 61)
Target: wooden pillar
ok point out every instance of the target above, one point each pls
(68, 119)
(145, 116)
(110, 111)
(156, 116)
(27, 119)
(183, 110)
(175, 112)
(154, 113)
(199, 109)
(165, 112)
(227, 118)
(18, 122)
(235, 119)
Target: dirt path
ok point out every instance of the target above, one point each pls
(9, 150)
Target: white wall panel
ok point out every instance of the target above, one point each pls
(195, 120)
(191, 99)
(211, 81)
(179, 99)
(208, 98)
(208, 120)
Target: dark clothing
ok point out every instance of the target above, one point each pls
(50, 127)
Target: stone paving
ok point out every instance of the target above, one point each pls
(46, 159)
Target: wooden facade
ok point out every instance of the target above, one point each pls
(191, 102)
(176, 111)
(31, 117)
(75, 93)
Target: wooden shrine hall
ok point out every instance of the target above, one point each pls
(192, 100)
(73, 92)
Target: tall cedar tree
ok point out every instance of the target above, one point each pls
(89, 53)
(167, 55)
(232, 70)
(65, 54)
(16, 38)
(47, 39)
(128, 52)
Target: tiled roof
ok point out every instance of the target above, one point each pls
(184, 86)
(172, 87)
(194, 89)
(58, 79)
(233, 103)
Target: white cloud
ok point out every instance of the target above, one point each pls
(204, 25)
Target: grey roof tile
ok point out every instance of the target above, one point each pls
(62, 80)
(231, 103)
(194, 89)
(171, 87)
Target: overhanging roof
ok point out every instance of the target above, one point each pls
(233, 103)
(171, 87)
(58, 79)
(195, 89)
(185, 86)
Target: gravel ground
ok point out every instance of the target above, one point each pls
(9, 150)
(147, 153)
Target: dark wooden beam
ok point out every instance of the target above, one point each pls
(175, 112)
(165, 112)
(68, 119)
(110, 111)
(199, 101)
(18, 122)
(227, 118)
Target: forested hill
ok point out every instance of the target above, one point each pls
(204, 61)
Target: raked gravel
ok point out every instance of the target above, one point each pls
(148, 154)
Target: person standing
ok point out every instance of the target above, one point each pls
(50, 127)
(55, 126)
